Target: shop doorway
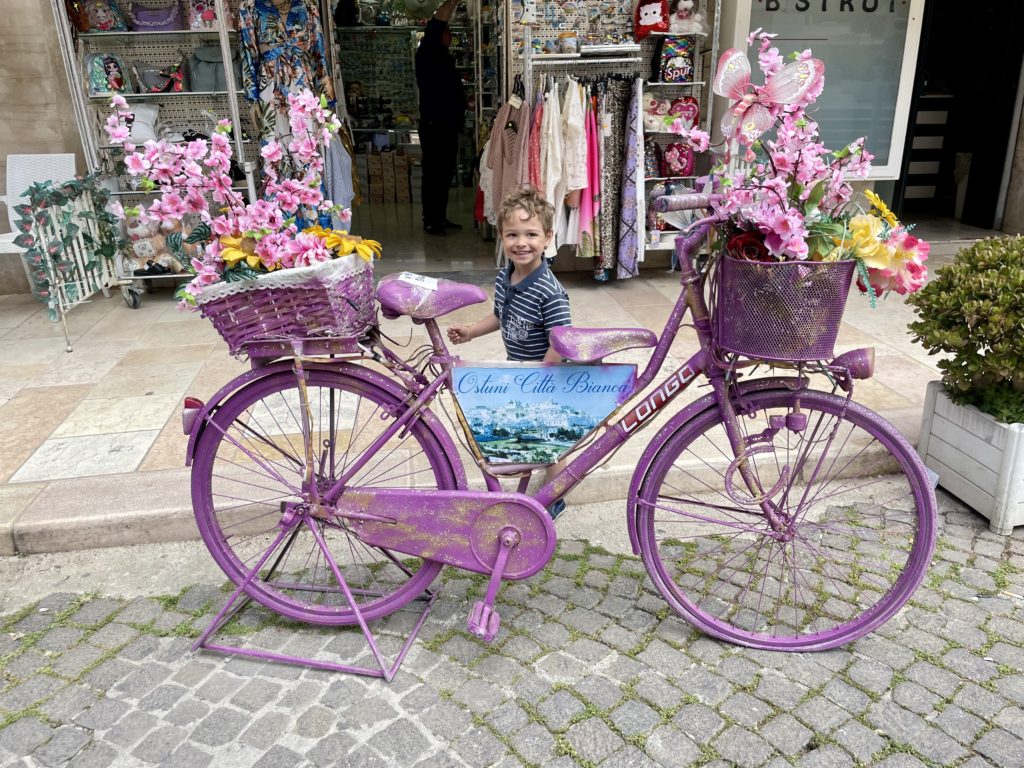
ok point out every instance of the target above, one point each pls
(375, 63)
(962, 118)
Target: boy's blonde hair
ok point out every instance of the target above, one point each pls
(532, 202)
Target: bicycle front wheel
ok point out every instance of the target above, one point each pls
(854, 522)
(249, 469)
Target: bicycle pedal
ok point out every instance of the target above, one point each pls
(484, 621)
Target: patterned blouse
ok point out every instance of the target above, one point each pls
(281, 54)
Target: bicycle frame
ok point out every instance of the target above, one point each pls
(691, 300)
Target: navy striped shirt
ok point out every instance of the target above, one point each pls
(529, 310)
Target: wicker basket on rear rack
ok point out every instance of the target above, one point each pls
(334, 298)
(781, 311)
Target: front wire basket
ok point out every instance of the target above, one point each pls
(786, 311)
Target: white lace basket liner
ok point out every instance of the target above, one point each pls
(334, 298)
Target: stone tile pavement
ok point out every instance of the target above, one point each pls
(590, 669)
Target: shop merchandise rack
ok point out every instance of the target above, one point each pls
(604, 31)
(178, 112)
(704, 61)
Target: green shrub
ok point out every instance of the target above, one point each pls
(974, 310)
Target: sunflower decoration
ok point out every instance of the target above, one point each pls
(237, 248)
(879, 207)
(343, 243)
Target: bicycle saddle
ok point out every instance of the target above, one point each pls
(588, 345)
(398, 296)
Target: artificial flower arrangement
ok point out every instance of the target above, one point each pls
(794, 201)
(244, 240)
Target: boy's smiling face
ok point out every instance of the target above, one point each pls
(524, 240)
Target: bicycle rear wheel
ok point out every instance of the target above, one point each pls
(249, 467)
(856, 533)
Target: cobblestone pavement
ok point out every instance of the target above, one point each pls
(590, 669)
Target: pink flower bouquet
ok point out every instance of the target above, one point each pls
(244, 240)
(794, 200)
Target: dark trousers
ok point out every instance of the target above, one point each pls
(440, 142)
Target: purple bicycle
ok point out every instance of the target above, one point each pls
(767, 513)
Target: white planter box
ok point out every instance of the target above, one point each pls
(978, 459)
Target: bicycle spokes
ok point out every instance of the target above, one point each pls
(832, 544)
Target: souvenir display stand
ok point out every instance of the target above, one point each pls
(705, 58)
(178, 111)
(170, 115)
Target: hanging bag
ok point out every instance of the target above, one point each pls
(105, 74)
(95, 16)
(152, 78)
(200, 14)
(674, 61)
(206, 68)
(155, 15)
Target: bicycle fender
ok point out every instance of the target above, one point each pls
(393, 388)
(674, 424)
(236, 384)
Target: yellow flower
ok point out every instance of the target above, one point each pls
(341, 241)
(368, 249)
(332, 237)
(864, 240)
(235, 248)
(882, 209)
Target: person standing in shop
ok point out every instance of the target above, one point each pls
(442, 113)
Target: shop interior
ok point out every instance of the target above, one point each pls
(376, 46)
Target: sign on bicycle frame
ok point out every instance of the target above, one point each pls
(534, 413)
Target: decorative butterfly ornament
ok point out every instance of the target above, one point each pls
(754, 107)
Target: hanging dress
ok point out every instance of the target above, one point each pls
(536, 135)
(574, 168)
(631, 222)
(280, 54)
(590, 202)
(552, 162)
(509, 133)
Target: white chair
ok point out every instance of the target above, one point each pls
(22, 172)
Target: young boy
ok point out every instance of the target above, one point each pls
(528, 300)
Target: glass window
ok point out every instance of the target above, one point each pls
(862, 43)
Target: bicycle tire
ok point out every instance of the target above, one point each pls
(238, 502)
(855, 545)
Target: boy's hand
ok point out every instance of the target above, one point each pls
(458, 334)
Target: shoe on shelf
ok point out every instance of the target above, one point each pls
(556, 508)
(435, 229)
(152, 269)
(451, 225)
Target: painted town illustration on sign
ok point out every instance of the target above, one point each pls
(532, 413)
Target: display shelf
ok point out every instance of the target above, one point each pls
(678, 34)
(609, 50)
(140, 193)
(152, 35)
(179, 112)
(705, 58)
(101, 97)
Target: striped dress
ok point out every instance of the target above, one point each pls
(529, 310)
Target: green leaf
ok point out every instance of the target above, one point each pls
(200, 234)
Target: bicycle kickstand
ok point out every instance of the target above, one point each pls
(484, 620)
